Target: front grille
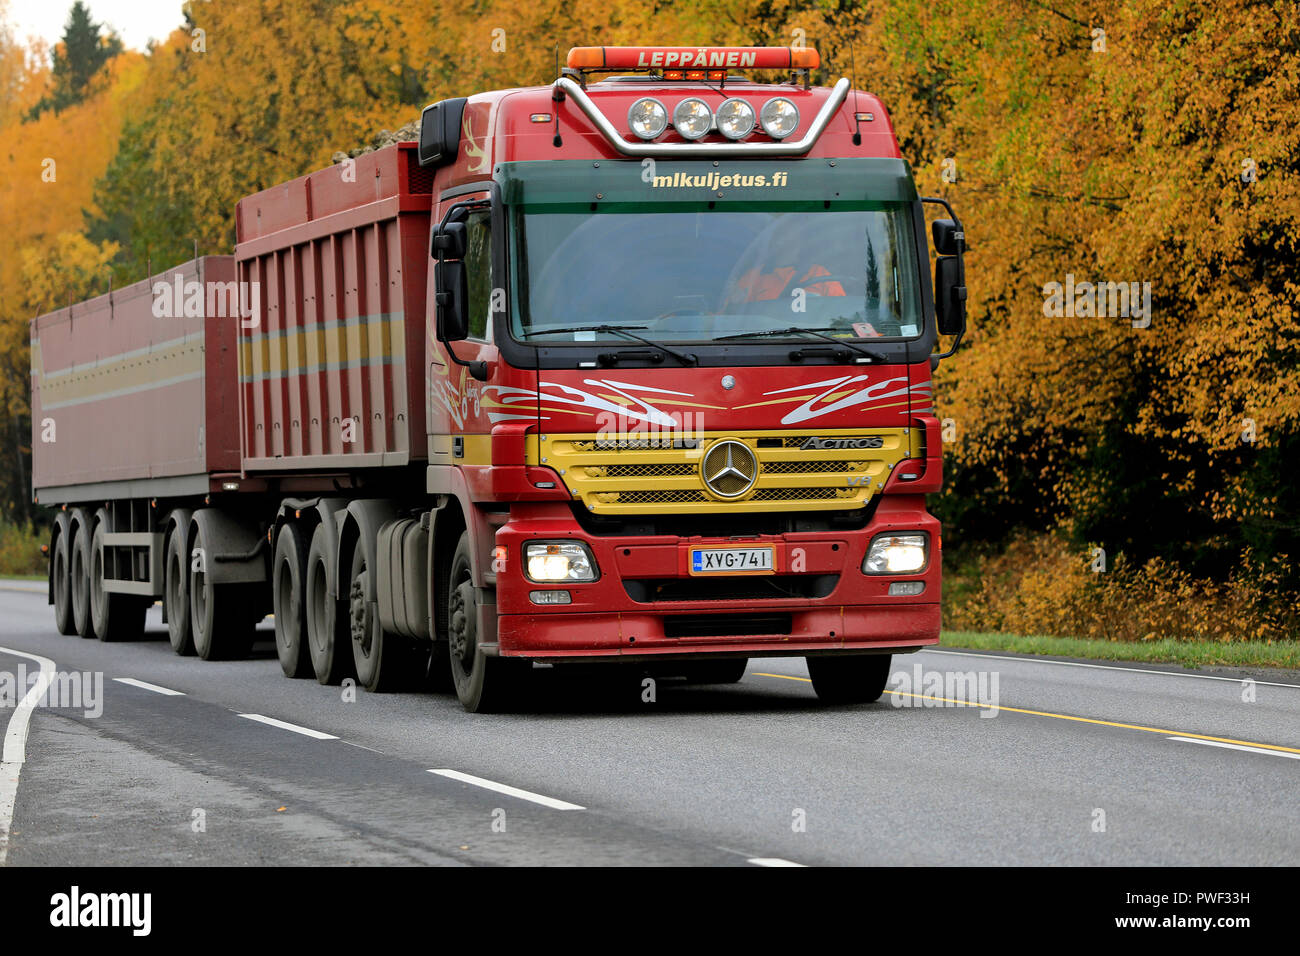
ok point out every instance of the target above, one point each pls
(727, 625)
(804, 494)
(640, 471)
(649, 497)
(657, 474)
(634, 444)
(813, 467)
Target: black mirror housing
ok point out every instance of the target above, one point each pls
(947, 235)
(449, 241)
(451, 300)
(949, 296)
(440, 132)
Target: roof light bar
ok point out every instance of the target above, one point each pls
(568, 87)
(693, 57)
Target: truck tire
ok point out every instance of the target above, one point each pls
(715, 672)
(80, 574)
(384, 661)
(61, 572)
(288, 597)
(176, 592)
(859, 679)
(328, 634)
(484, 684)
(116, 617)
(219, 614)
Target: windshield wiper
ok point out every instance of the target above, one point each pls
(796, 330)
(682, 357)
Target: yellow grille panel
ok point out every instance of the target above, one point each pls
(662, 475)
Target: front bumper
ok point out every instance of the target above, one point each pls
(853, 613)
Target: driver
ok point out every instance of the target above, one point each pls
(758, 286)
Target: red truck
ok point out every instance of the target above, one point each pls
(663, 399)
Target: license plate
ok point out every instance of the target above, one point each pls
(731, 560)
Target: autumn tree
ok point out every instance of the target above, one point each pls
(77, 60)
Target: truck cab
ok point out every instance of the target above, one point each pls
(681, 334)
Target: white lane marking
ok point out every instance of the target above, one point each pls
(8, 586)
(508, 790)
(1109, 667)
(284, 725)
(1251, 750)
(144, 685)
(771, 861)
(15, 744)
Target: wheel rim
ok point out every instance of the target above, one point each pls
(316, 599)
(461, 620)
(284, 603)
(200, 601)
(80, 581)
(175, 592)
(362, 636)
(96, 578)
(62, 584)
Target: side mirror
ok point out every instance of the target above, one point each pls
(947, 234)
(949, 294)
(440, 132)
(451, 300)
(449, 241)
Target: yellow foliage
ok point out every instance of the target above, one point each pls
(1039, 585)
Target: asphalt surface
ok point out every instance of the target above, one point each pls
(1076, 765)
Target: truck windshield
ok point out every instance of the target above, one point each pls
(696, 276)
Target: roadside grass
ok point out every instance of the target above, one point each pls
(20, 551)
(1190, 654)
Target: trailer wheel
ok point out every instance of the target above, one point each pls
(62, 572)
(484, 684)
(715, 672)
(219, 613)
(80, 575)
(176, 592)
(117, 617)
(849, 680)
(288, 596)
(384, 661)
(327, 623)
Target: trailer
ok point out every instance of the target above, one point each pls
(631, 369)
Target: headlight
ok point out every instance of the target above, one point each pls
(735, 118)
(780, 117)
(897, 554)
(647, 118)
(692, 118)
(558, 561)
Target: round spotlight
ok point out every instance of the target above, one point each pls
(647, 118)
(735, 118)
(692, 118)
(780, 117)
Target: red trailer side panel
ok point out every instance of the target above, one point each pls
(137, 384)
(331, 369)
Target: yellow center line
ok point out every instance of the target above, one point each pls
(1082, 720)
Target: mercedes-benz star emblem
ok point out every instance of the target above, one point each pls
(729, 469)
(728, 382)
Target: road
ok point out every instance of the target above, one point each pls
(1075, 765)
